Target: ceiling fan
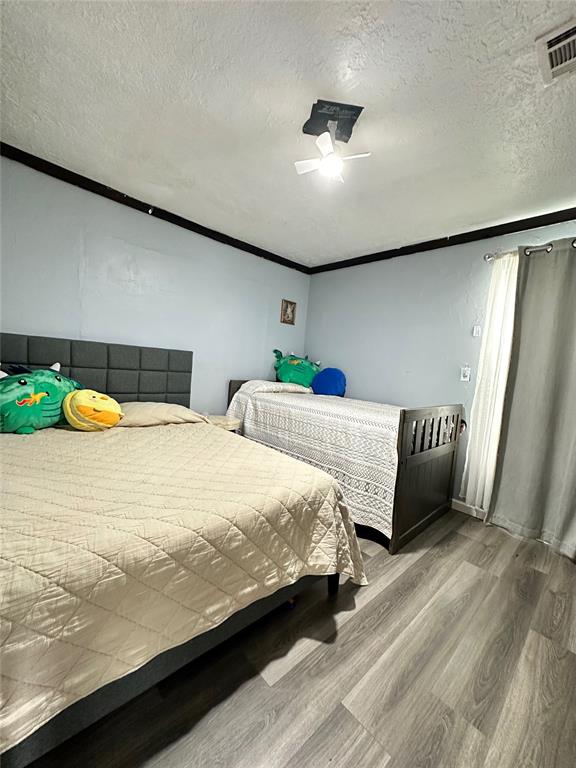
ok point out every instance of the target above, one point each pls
(332, 162)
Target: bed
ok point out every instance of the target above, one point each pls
(395, 465)
(128, 553)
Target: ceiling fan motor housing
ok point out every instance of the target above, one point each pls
(344, 115)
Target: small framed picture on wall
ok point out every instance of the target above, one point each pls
(288, 312)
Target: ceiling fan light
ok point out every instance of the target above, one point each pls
(331, 166)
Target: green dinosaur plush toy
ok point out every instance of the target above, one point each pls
(33, 400)
(295, 370)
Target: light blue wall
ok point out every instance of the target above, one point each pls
(79, 266)
(76, 265)
(401, 329)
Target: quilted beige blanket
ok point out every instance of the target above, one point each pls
(119, 545)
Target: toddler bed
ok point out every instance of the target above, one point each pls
(394, 465)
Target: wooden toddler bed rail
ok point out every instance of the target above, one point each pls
(427, 446)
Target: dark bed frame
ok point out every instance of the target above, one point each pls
(127, 373)
(427, 449)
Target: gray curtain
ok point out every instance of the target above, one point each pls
(535, 485)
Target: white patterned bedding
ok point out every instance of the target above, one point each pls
(118, 545)
(353, 440)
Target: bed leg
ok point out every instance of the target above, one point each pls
(333, 584)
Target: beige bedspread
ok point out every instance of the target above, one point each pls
(116, 546)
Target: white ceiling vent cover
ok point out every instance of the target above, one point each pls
(557, 51)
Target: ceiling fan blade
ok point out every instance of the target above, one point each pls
(332, 130)
(324, 143)
(305, 166)
(355, 157)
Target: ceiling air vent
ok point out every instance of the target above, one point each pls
(557, 51)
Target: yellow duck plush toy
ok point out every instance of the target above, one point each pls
(91, 411)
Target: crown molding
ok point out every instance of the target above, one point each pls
(509, 228)
(63, 174)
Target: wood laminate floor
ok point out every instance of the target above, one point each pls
(460, 653)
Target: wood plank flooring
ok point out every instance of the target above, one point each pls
(460, 653)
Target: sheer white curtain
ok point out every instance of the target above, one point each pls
(486, 415)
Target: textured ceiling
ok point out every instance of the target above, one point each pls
(197, 107)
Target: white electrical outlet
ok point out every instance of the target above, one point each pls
(476, 331)
(465, 372)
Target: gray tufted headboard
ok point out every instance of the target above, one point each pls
(122, 371)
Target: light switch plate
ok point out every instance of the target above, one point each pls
(465, 373)
(476, 331)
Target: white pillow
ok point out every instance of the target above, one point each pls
(140, 414)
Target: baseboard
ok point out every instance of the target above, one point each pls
(468, 509)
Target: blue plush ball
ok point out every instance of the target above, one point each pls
(330, 381)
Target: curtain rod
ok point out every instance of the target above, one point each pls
(490, 257)
(528, 251)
